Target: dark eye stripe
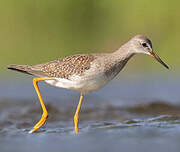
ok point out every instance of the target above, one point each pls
(144, 45)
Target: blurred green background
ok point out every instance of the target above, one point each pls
(37, 31)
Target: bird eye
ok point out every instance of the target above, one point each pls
(144, 44)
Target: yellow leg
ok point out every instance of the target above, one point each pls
(76, 116)
(45, 113)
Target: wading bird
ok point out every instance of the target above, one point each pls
(85, 72)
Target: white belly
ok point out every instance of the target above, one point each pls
(82, 84)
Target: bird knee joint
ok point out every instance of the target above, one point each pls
(35, 80)
(45, 115)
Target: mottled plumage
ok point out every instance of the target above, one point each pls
(60, 68)
(65, 67)
(85, 72)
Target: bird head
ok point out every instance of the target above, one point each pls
(142, 44)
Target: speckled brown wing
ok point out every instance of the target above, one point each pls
(65, 67)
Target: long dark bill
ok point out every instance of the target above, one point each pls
(158, 59)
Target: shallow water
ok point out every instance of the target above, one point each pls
(124, 116)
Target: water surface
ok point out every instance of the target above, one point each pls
(126, 115)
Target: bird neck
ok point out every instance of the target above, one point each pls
(117, 60)
(124, 53)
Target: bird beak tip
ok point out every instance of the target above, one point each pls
(158, 59)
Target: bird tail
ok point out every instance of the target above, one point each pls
(21, 68)
(32, 70)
